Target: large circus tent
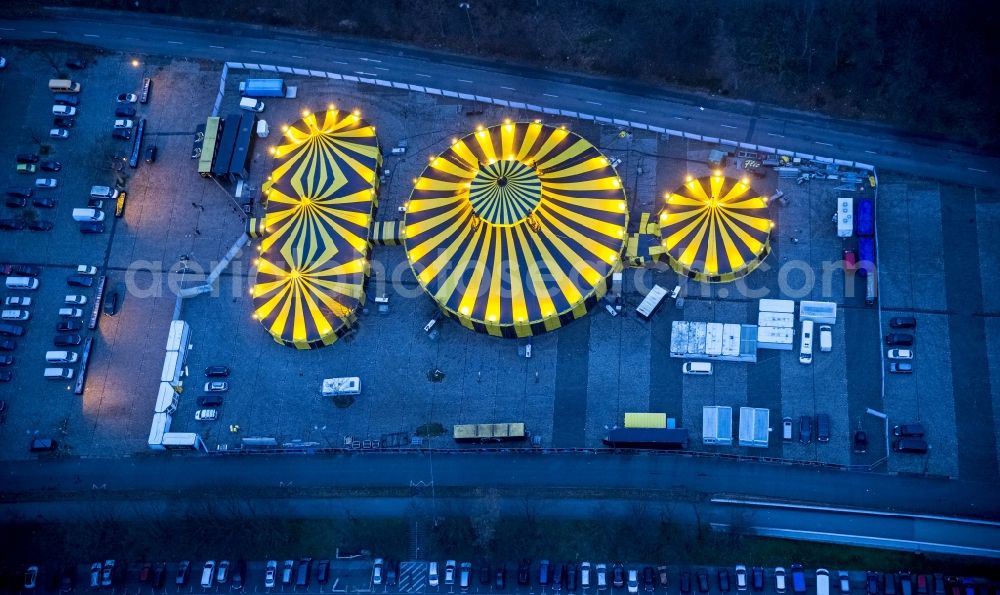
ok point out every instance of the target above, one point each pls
(514, 229)
(715, 228)
(313, 259)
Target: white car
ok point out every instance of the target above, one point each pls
(377, 571)
(216, 386)
(432, 574)
(75, 300)
(206, 415)
(83, 269)
(272, 569)
(70, 312)
(58, 133)
(449, 572)
(126, 98)
(123, 124)
(16, 300)
(633, 580)
(741, 575)
(900, 354)
(63, 110)
(46, 183)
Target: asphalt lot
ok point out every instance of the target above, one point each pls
(579, 381)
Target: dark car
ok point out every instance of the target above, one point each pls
(221, 372)
(900, 339)
(485, 576)
(25, 270)
(67, 340)
(121, 134)
(11, 224)
(6, 360)
(618, 576)
(91, 227)
(500, 579)
(924, 584)
(20, 192)
(905, 582)
(182, 572)
(146, 572)
(50, 166)
(151, 154)
(903, 322)
(822, 427)
(63, 122)
(873, 583)
(11, 330)
(27, 158)
(66, 580)
(889, 583)
(125, 111)
(723, 576)
(757, 578)
(66, 99)
(900, 368)
(41, 225)
(558, 577)
(44, 202)
(648, 578)
(524, 572)
(391, 573)
(685, 582)
(860, 442)
(703, 585)
(210, 401)
(76, 63)
(15, 203)
(239, 577)
(42, 444)
(159, 574)
(8, 345)
(805, 429)
(68, 326)
(571, 577)
(79, 281)
(661, 573)
(111, 303)
(909, 430)
(322, 571)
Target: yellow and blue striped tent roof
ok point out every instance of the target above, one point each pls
(515, 228)
(715, 229)
(314, 252)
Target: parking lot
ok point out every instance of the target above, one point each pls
(935, 254)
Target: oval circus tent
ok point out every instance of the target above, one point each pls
(715, 229)
(515, 229)
(313, 258)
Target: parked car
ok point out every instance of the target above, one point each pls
(26, 168)
(95, 575)
(648, 578)
(62, 122)
(903, 322)
(15, 203)
(903, 339)
(126, 98)
(873, 583)
(44, 202)
(46, 183)
(79, 281)
(68, 326)
(860, 442)
(377, 571)
(111, 303)
(125, 111)
(702, 576)
(91, 227)
(524, 572)
(239, 574)
(6, 360)
(31, 577)
(909, 431)
(685, 585)
(741, 578)
(63, 110)
(286, 571)
(12, 224)
(900, 368)
(485, 574)
(222, 572)
(66, 579)
(58, 133)
(391, 573)
(124, 124)
(805, 429)
(76, 63)
(183, 569)
(151, 154)
(52, 166)
(845, 582)
(67, 340)
(323, 572)
(464, 576)
(661, 572)
(757, 578)
(779, 579)
(42, 445)
(217, 371)
(17, 300)
(633, 580)
(269, 571)
(618, 575)
(27, 158)
(146, 572)
(121, 134)
(75, 300)
(899, 354)
(722, 575)
(108, 573)
(216, 386)
(500, 580)
(8, 345)
(206, 415)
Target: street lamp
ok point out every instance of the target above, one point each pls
(468, 15)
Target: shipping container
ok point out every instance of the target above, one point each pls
(864, 223)
(717, 425)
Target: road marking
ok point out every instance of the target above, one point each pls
(871, 152)
(90, 35)
(51, 32)
(336, 62)
(638, 111)
(365, 73)
(549, 95)
(976, 169)
(508, 88)
(726, 126)
(182, 43)
(216, 47)
(463, 81)
(679, 118)
(7, 29)
(380, 68)
(776, 134)
(300, 57)
(426, 76)
(370, 60)
(819, 142)
(257, 52)
(592, 102)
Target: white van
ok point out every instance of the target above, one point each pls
(22, 283)
(251, 104)
(88, 215)
(822, 581)
(825, 337)
(58, 373)
(61, 357)
(103, 192)
(806, 345)
(14, 315)
(704, 368)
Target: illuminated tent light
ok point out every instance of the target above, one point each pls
(715, 229)
(312, 262)
(517, 230)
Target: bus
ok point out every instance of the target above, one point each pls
(806, 345)
(208, 147)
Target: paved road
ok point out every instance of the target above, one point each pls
(687, 112)
(647, 474)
